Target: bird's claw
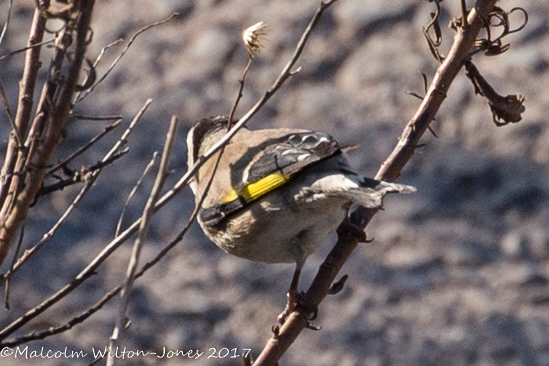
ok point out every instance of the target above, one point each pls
(347, 228)
(299, 299)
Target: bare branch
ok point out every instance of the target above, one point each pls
(24, 108)
(52, 112)
(96, 118)
(92, 266)
(143, 233)
(15, 255)
(7, 23)
(62, 328)
(9, 113)
(26, 48)
(239, 95)
(123, 139)
(81, 150)
(389, 171)
(47, 236)
(96, 62)
(115, 62)
(132, 193)
(102, 52)
(81, 176)
(464, 14)
(107, 297)
(51, 233)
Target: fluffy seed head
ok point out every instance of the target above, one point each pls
(253, 37)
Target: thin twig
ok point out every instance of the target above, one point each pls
(96, 118)
(97, 60)
(107, 297)
(239, 95)
(51, 233)
(102, 52)
(24, 107)
(123, 139)
(26, 48)
(52, 112)
(464, 14)
(62, 328)
(81, 150)
(29, 253)
(7, 23)
(133, 191)
(11, 118)
(390, 170)
(15, 255)
(115, 62)
(92, 266)
(142, 237)
(82, 176)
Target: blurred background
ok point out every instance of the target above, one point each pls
(458, 273)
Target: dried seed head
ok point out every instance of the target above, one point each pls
(506, 109)
(253, 36)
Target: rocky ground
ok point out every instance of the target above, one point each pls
(458, 273)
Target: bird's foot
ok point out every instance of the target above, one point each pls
(291, 303)
(299, 299)
(348, 229)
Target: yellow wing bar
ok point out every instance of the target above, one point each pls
(253, 191)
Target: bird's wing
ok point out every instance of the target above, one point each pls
(281, 160)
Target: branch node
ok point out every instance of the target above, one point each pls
(338, 286)
(296, 71)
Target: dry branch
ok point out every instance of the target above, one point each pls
(132, 193)
(7, 23)
(15, 255)
(389, 171)
(90, 269)
(26, 49)
(106, 298)
(9, 113)
(24, 108)
(48, 126)
(92, 266)
(80, 151)
(119, 57)
(84, 175)
(143, 233)
(29, 253)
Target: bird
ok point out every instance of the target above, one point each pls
(276, 194)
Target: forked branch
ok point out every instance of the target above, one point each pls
(47, 128)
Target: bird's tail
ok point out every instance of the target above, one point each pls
(366, 192)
